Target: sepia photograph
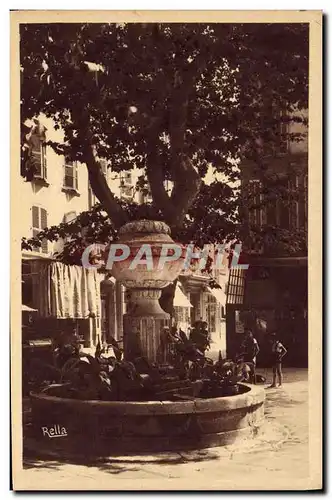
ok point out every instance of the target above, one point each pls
(166, 213)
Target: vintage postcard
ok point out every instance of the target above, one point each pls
(166, 215)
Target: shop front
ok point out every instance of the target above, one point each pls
(266, 298)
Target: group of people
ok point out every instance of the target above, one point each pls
(250, 350)
(200, 336)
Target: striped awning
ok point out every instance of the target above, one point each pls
(67, 291)
(180, 300)
(218, 294)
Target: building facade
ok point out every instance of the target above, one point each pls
(57, 191)
(272, 294)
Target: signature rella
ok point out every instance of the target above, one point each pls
(55, 431)
(145, 256)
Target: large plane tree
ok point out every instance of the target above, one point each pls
(171, 99)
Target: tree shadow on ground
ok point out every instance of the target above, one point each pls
(34, 459)
(33, 462)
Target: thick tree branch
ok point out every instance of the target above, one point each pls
(101, 189)
(187, 181)
(97, 179)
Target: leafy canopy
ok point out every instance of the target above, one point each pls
(170, 99)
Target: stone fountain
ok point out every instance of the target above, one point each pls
(111, 427)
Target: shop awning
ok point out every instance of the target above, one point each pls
(180, 300)
(28, 309)
(219, 295)
(67, 291)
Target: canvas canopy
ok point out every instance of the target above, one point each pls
(67, 291)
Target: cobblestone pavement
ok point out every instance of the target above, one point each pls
(277, 459)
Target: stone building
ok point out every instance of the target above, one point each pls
(58, 190)
(272, 294)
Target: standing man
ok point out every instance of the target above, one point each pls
(250, 349)
(278, 352)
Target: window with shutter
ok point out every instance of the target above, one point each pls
(70, 180)
(35, 217)
(39, 222)
(38, 160)
(257, 212)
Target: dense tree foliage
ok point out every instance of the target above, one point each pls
(171, 99)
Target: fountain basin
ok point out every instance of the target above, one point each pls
(110, 427)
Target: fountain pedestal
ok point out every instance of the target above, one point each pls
(144, 325)
(145, 320)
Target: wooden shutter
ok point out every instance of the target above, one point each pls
(35, 218)
(43, 218)
(43, 225)
(39, 222)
